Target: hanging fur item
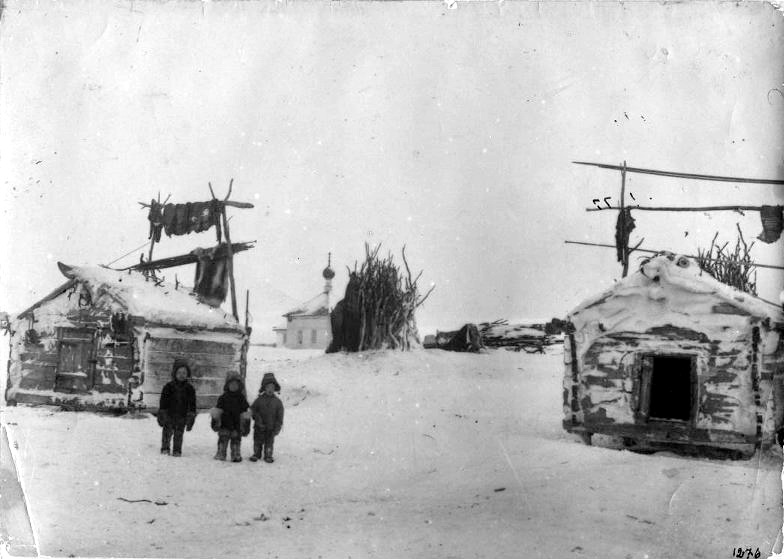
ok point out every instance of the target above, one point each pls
(190, 217)
(212, 273)
(156, 220)
(772, 223)
(623, 229)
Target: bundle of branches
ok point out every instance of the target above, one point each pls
(388, 300)
(732, 267)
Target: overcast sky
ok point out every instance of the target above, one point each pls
(451, 131)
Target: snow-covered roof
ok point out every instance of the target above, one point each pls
(681, 287)
(318, 305)
(161, 304)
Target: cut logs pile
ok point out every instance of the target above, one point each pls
(515, 337)
(388, 299)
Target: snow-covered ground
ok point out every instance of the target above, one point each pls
(427, 454)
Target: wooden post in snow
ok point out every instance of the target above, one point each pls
(247, 306)
(230, 253)
(152, 243)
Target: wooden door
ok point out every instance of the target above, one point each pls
(76, 360)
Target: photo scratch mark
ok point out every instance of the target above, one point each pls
(511, 467)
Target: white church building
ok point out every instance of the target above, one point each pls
(307, 325)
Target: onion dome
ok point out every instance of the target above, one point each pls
(328, 274)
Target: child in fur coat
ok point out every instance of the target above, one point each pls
(177, 408)
(231, 419)
(268, 416)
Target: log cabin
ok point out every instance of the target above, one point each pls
(107, 340)
(671, 356)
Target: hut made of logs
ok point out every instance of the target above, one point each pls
(107, 340)
(669, 355)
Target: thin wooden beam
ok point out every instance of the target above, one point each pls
(680, 175)
(682, 208)
(233, 204)
(152, 240)
(247, 306)
(230, 262)
(181, 260)
(658, 251)
(230, 203)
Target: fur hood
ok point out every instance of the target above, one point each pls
(180, 362)
(269, 378)
(239, 379)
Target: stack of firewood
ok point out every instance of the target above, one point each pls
(500, 333)
(388, 302)
(731, 267)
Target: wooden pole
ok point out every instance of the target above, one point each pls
(230, 262)
(184, 259)
(230, 203)
(152, 240)
(683, 209)
(247, 303)
(217, 226)
(602, 245)
(152, 244)
(681, 175)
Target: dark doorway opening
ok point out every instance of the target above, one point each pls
(671, 388)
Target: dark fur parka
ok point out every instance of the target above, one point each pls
(178, 398)
(233, 405)
(267, 414)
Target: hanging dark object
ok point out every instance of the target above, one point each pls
(156, 220)
(211, 281)
(772, 223)
(119, 326)
(31, 337)
(623, 229)
(182, 219)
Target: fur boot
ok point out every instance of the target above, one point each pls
(236, 456)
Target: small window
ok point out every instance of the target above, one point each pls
(299, 337)
(284, 338)
(313, 336)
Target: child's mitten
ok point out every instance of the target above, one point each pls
(215, 419)
(245, 423)
(190, 419)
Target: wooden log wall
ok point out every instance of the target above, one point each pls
(610, 382)
(71, 323)
(210, 362)
(772, 382)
